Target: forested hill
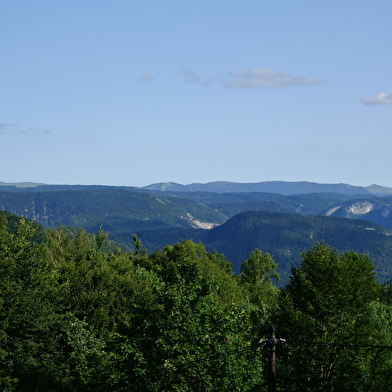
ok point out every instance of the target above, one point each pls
(115, 210)
(232, 203)
(284, 236)
(373, 208)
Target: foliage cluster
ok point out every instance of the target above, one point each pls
(76, 316)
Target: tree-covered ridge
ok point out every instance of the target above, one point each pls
(75, 316)
(232, 203)
(284, 236)
(116, 210)
(123, 210)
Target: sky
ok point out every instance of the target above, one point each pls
(132, 92)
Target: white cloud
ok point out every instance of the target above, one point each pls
(189, 75)
(267, 78)
(145, 77)
(379, 99)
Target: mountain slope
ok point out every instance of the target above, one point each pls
(377, 210)
(285, 236)
(115, 210)
(234, 203)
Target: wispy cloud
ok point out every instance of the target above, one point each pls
(145, 77)
(257, 77)
(267, 78)
(379, 99)
(189, 75)
(5, 127)
(217, 78)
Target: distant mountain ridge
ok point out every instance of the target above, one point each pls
(278, 187)
(379, 190)
(20, 184)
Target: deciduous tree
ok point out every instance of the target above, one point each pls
(327, 301)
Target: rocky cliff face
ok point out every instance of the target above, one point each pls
(377, 210)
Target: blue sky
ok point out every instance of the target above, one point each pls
(125, 92)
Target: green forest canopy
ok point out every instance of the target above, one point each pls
(76, 316)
